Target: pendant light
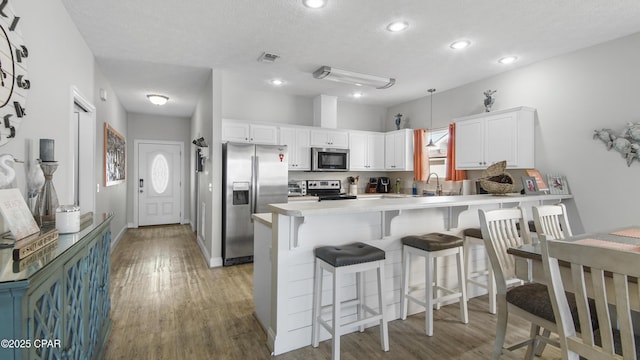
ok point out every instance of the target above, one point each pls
(431, 144)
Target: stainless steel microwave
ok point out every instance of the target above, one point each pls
(329, 159)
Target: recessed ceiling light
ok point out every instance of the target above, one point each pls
(397, 26)
(357, 94)
(158, 99)
(314, 4)
(276, 82)
(508, 60)
(460, 44)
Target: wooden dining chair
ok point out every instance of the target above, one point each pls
(551, 221)
(592, 262)
(529, 301)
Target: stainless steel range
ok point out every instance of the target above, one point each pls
(327, 190)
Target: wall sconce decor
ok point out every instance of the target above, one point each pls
(627, 142)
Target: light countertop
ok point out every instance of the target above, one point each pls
(263, 218)
(387, 203)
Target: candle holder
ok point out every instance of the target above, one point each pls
(48, 199)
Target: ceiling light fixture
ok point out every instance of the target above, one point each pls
(314, 4)
(357, 94)
(431, 144)
(158, 99)
(397, 26)
(353, 78)
(508, 60)
(460, 44)
(276, 82)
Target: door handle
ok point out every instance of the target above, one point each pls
(141, 181)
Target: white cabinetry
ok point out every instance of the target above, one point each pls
(398, 148)
(244, 132)
(487, 138)
(366, 151)
(329, 138)
(297, 141)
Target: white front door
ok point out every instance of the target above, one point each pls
(159, 183)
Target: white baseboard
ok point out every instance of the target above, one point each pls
(116, 239)
(132, 226)
(211, 261)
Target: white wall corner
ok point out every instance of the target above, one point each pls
(132, 226)
(325, 111)
(115, 240)
(211, 261)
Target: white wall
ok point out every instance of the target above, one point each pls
(164, 128)
(54, 66)
(357, 116)
(574, 94)
(111, 198)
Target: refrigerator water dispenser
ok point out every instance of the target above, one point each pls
(240, 193)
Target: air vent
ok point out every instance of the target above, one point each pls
(268, 58)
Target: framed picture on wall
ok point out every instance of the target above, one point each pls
(115, 156)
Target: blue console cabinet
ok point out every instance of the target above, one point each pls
(55, 304)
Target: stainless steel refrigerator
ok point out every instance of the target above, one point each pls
(253, 177)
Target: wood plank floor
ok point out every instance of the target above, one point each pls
(167, 304)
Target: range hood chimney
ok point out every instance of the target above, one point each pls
(325, 111)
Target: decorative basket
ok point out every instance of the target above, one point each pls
(496, 172)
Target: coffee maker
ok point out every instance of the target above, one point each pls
(384, 185)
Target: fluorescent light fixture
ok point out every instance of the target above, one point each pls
(158, 99)
(397, 26)
(353, 78)
(314, 4)
(460, 44)
(508, 60)
(276, 82)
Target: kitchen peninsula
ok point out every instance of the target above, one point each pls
(284, 258)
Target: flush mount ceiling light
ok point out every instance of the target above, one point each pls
(460, 44)
(353, 78)
(431, 144)
(158, 99)
(314, 4)
(397, 26)
(276, 82)
(508, 60)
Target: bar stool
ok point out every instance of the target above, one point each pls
(433, 246)
(340, 260)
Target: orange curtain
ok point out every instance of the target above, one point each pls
(452, 173)
(420, 155)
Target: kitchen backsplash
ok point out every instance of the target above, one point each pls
(406, 180)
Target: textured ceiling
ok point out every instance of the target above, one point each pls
(169, 46)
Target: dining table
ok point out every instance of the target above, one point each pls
(528, 258)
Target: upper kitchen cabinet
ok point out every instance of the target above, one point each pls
(329, 138)
(398, 149)
(297, 141)
(366, 151)
(484, 139)
(244, 132)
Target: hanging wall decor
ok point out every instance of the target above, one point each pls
(114, 156)
(627, 142)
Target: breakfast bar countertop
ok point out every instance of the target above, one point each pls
(387, 203)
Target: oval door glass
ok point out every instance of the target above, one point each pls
(159, 173)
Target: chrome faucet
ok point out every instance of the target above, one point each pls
(438, 186)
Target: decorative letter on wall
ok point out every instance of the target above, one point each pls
(627, 143)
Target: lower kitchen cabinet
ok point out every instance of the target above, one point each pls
(61, 306)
